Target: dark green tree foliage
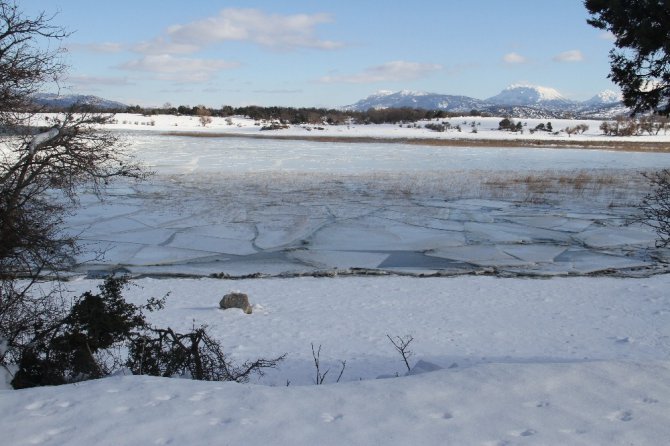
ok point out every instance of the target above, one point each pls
(640, 63)
(67, 352)
(102, 332)
(510, 125)
(297, 116)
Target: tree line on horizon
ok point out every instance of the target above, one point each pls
(304, 115)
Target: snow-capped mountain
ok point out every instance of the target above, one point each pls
(519, 100)
(416, 99)
(530, 95)
(606, 97)
(57, 101)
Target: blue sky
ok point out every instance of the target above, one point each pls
(325, 53)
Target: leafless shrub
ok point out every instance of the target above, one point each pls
(579, 128)
(655, 206)
(401, 344)
(164, 352)
(321, 377)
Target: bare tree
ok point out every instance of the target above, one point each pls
(24, 65)
(204, 115)
(44, 163)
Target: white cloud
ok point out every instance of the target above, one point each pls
(160, 45)
(285, 32)
(180, 69)
(280, 91)
(398, 70)
(105, 47)
(514, 58)
(85, 80)
(569, 56)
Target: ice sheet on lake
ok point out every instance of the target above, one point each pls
(616, 237)
(238, 206)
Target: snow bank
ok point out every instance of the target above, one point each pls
(560, 404)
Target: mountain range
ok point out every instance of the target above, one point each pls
(59, 102)
(523, 101)
(518, 100)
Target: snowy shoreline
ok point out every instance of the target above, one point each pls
(427, 140)
(475, 132)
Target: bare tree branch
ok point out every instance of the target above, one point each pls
(402, 346)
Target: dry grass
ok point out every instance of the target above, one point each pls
(613, 144)
(602, 188)
(552, 186)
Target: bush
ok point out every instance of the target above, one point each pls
(163, 352)
(87, 344)
(655, 206)
(274, 126)
(67, 352)
(437, 127)
(579, 128)
(510, 125)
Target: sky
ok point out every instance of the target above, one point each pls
(328, 53)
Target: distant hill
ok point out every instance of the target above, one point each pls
(415, 99)
(531, 96)
(523, 101)
(60, 102)
(607, 97)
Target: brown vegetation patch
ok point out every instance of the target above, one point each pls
(625, 146)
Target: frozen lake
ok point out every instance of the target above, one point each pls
(240, 206)
(183, 154)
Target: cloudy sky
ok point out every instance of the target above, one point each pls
(324, 53)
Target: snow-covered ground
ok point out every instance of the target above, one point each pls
(560, 361)
(487, 129)
(518, 361)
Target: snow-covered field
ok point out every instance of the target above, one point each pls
(486, 129)
(558, 361)
(548, 362)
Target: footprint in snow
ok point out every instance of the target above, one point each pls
(37, 405)
(441, 415)
(328, 418)
(528, 433)
(622, 415)
(121, 409)
(219, 421)
(524, 433)
(46, 436)
(199, 396)
(537, 404)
